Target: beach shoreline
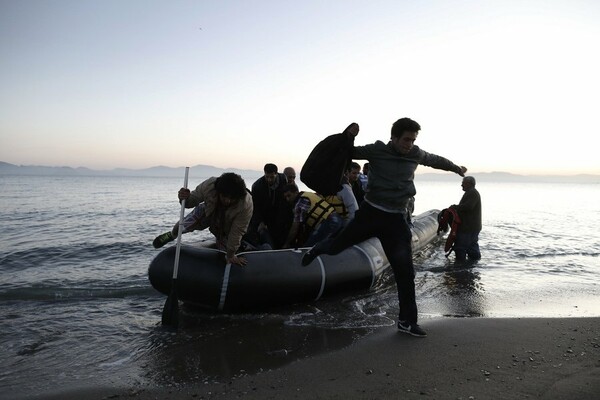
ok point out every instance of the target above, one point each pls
(462, 358)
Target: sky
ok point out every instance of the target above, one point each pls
(506, 85)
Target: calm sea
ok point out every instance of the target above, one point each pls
(77, 308)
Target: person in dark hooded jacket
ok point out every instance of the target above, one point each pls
(272, 215)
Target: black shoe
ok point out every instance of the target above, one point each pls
(163, 239)
(308, 257)
(411, 329)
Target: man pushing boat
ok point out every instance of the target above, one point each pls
(224, 206)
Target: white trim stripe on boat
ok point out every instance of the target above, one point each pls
(224, 287)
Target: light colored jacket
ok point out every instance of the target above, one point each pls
(236, 219)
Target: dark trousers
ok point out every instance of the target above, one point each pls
(395, 236)
(467, 244)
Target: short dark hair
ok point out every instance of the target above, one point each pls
(231, 185)
(290, 187)
(270, 168)
(404, 125)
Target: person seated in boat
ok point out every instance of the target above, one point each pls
(290, 174)
(272, 216)
(224, 206)
(314, 218)
(343, 201)
(364, 176)
(355, 183)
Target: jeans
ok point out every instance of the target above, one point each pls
(395, 236)
(197, 220)
(467, 244)
(325, 229)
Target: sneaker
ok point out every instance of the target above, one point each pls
(163, 239)
(308, 257)
(411, 329)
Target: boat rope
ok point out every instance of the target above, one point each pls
(224, 287)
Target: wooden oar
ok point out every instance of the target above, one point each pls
(170, 314)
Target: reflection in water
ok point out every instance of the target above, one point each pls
(464, 288)
(223, 347)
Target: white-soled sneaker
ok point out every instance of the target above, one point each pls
(411, 329)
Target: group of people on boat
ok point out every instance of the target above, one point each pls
(275, 214)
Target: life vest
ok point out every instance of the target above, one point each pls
(449, 216)
(338, 205)
(319, 210)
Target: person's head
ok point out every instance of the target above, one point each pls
(230, 187)
(352, 129)
(290, 192)
(366, 168)
(270, 173)
(353, 172)
(468, 182)
(290, 174)
(404, 134)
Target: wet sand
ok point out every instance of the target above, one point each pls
(474, 358)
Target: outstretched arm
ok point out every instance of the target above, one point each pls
(439, 162)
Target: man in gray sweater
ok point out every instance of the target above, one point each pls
(381, 215)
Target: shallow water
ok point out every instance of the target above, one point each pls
(77, 308)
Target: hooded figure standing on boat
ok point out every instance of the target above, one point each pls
(224, 206)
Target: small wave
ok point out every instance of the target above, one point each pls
(116, 363)
(77, 254)
(47, 293)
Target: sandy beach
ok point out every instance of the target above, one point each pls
(478, 358)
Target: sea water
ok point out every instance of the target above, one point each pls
(77, 309)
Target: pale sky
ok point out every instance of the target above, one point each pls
(496, 85)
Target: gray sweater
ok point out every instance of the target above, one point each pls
(390, 183)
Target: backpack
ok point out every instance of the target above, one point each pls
(323, 169)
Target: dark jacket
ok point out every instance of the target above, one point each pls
(323, 169)
(358, 191)
(271, 208)
(469, 210)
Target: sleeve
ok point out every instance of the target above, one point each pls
(257, 202)
(437, 162)
(365, 152)
(239, 227)
(467, 202)
(196, 196)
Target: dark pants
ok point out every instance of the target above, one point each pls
(467, 244)
(395, 236)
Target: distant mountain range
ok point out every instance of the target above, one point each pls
(159, 171)
(209, 170)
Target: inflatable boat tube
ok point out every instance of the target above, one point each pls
(276, 277)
